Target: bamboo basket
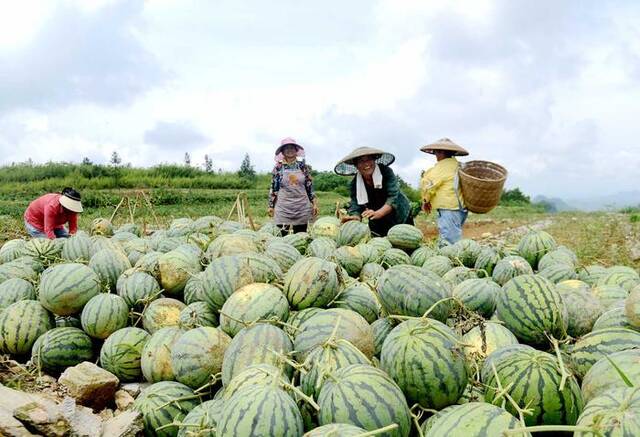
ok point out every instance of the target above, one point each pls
(481, 183)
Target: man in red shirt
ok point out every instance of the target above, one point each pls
(46, 216)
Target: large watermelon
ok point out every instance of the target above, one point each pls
(406, 237)
(155, 360)
(326, 226)
(104, 314)
(161, 313)
(615, 413)
(422, 358)
(14, 290)
(121, 353)
(608, 371)
(251, 303)
(352, 233)
(202, 420)
(534, 245)
(364, 396)
(360, 298)
(60, 348)
(478, 295)
(137, 288)
(598, 344)
(224, 276)
(176, 267)
(311, 282)
(21, 324)
(164, 405)
(66, 288)
(196, 315)
(531, 308)
(472, 419)
(109, 265)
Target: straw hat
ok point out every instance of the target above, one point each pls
(286, 142)
(71, 203)
(445, 144)
(347, 166)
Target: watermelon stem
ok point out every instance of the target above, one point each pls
(379, 431)
(624, 377)
(433, 307)
(563, 370)
(302, 396)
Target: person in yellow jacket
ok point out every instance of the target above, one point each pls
(439, 187)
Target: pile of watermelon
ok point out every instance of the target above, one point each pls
(332, 332)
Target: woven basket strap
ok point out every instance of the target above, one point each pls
(456, 187)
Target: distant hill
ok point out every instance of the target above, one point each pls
(609, 202)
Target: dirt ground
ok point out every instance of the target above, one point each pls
(474, 229)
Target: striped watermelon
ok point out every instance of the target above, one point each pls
(478, 295)
(572, 285)
(598, 344)
(194, 289)
(121, 352)
(14, 290)
(136, 249)
(364, 396)
(101, 226)
(269, 228)
(166, 244)
(352, 233)
(132, 228)
(67, 321)
(109, 265)
(321, 247)
(137, 288)
(451, 251)
(409, 290)
(557, 257)
(559, 272)
(532, 379)
(258, 344)
(326, 226)
(486, 260)
(60, 348)
(21, 324)
(342, 323)
(405, 237)
(259, 374)
(609, 294)
(43, 250)
(296, 318)
(284, 254)
(230, 244)
(164, 405)
(613, 318)
(350, 258)
(311, 282)
(324, 360)
(23, 267)
(591, 274)
(124, 237)
(484, 339)
(459, 274)
(422, 358)
(510, 267)
(382, 243)
(104, 314)
(198, 314)
(176, 267)
(534, 245)
(161, 313)
(381, 329)
(263, 268)
(472, 419)
(78, 248)
(583, 309)
(150, 263)
(202, 420)
(369, 252)
(260, 410)
(531, 308)
(299, 240)
(614, 413)
(393, 257)
(624, 279)
(251, 303)
(224, 276)
(66, 288)
(198, 354)
(11, 250)
(468, 251)
(603, 376)
(360, 298)
(371, 272)
(98, 243)
(438, 264)
(495, 357)
(421, 254)
(155, 360)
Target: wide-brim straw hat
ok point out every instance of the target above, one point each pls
(287, 142)
(71, 204)
(347, 165)
(445, 144)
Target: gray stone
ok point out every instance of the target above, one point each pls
(82, 420)
(134, 388)
(10, 426)
(125, 424)
(124, 400)
(634, 253)
(44, 418)
(89, 384)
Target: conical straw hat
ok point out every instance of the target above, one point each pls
(445, 144)
(347, 167)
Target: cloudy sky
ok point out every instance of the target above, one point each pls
(549, 89)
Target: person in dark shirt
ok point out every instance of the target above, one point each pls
(375, 192)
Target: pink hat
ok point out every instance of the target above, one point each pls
(286, 142)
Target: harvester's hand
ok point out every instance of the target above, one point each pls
(426, 207)
(270, 212)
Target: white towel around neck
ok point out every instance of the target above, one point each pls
(361, 189)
